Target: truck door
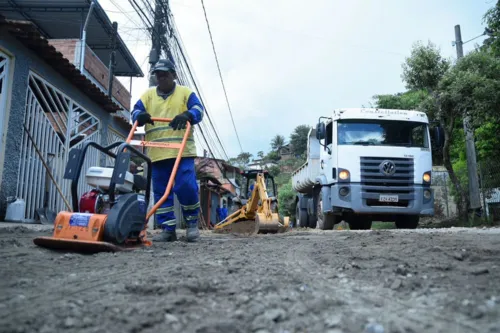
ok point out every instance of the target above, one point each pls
(328, 154)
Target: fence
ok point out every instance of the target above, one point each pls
(445, 203)
(489, 181)
(445, 206)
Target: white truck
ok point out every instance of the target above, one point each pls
(367, 165)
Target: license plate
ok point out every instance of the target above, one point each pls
(388, 198)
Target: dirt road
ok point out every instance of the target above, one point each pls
(441, 280)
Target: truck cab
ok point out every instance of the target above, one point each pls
(367, 165)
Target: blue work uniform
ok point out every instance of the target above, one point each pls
(160, 105)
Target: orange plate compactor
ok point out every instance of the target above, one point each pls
(113, 216)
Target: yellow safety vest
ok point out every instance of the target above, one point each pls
(158, 107)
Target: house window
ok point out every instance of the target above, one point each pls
(4, 77)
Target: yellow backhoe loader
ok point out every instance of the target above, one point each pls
(258, 215)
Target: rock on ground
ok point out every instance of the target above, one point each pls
(391, 281)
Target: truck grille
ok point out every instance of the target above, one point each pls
(374, 182)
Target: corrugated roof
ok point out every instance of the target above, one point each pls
(64, 19)
(29, 36)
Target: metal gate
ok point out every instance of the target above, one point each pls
(56, 124)
(4, 76)
(113, 137)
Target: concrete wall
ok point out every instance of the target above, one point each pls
(26, 60)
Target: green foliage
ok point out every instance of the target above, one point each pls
(424, 68)
(241, 161)
(492, 19)
(286, 199)
(274, 170)
(272, 156)
(277, 142)
(487, 140)
(472, 86)
(298, 139)
(409, 100)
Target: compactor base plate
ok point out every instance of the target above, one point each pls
(74, 245)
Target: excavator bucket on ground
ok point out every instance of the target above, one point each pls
(256, 216)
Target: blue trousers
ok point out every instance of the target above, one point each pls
(185, 187)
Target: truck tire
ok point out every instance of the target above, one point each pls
(407, 221)
(312, 221)
(324, 221)
(360, 223)
(300, 217)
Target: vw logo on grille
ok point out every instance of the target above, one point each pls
(388, 168)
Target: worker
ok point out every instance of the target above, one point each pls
(171, 100)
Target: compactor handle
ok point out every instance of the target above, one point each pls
(176, 164)
(160, 120)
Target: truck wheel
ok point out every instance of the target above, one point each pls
(300, 217)
(360, 223)
(324, 221)
(407, 222)
(312, 221)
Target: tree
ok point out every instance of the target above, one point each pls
(273, 156)
(241, 161)
(409, 100)
(260, 154)
(277, 142)
(245, 158)
(473, 87)
(424, 70)
(492, 19)
(298, 139)
(286, 199)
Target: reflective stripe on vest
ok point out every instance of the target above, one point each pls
(158, 107)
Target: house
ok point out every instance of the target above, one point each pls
(53, 99)
(286, 152)
(261, 164)
(218, 186)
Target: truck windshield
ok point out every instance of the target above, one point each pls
(382, 133)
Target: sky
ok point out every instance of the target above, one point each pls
(289, 62)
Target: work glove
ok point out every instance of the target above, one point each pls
(144, 118)
(180, 121)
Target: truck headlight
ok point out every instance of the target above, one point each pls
(427, 177)
(427, 194)
(344, 174)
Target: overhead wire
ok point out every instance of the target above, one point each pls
(180, 46)
(186, 76)
(220, 74)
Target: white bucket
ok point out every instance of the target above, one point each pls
(15, 210)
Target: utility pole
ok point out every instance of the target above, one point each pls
(112, 59)
(470, 148)
(156, 34)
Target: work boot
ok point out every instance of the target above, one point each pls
(165, 236)
(192, 233)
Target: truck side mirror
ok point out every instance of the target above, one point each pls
(438, 137)
(320, 131)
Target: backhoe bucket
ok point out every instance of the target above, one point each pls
(245, 228)
(262, 224)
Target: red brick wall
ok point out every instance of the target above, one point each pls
(66, 46)
(95, 67)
